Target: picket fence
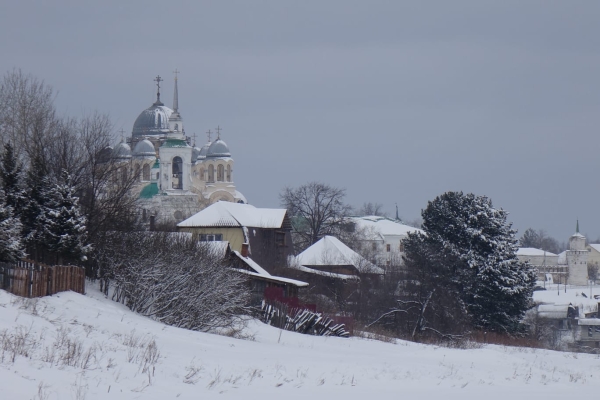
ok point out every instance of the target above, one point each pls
(30, 279)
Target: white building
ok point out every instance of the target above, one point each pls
(176, 178)
(570, 265)
(383, 238)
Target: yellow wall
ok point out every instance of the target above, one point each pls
(235, 236)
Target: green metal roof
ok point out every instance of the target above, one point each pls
(175, 143)
(149, 190)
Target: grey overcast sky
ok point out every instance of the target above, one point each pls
(396, 101)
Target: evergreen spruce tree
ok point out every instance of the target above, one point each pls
(11, 175)
(64, 228)
(11, 245)
(495, 287)
(31, 213)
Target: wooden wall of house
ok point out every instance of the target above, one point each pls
(270, 248)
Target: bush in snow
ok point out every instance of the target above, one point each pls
(171, 278)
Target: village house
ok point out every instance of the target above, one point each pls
(267, 231)
(381, 238)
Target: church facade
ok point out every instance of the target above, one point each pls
(175, 179)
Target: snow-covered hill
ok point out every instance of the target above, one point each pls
(71, 346)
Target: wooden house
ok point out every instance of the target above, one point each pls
(267, 231)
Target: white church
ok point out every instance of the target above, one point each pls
(568, 267)
(176, 179)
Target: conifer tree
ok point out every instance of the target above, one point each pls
(31, 213)
(11, 175)
(64, 228)
(495, 286)
(11, 245)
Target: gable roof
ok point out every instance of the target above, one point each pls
(226, 214)
(259, 272)
(330, 251)
(385, 226)
(595, 246)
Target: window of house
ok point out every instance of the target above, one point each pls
(401, 247)
(388, 247)
(374, 246)
(280, 238)
(211, 237)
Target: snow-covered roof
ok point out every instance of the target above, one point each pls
(553, 311)
(226, 214)
(330, 251)
(385, 226)
(562, 257)
(595, 246)
(262, 273)
(531, 251)
(325, 273)
(588, 321)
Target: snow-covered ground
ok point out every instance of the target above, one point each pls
(87, 347)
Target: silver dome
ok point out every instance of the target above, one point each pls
(218, 149)
(195, 153)
(203, 151)
(122, 150)
(144, 148)
(152, 121)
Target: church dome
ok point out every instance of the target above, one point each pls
(218, 149)
(122, 150)
(203, 151)
(144, 148)
(195, 153)
(152, 121)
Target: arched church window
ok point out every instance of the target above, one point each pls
(137, 172)
(176, 127)
(146, 172)
(211, 173)
(228, 173)
(201, 174)
(177, 171)
(220, 173)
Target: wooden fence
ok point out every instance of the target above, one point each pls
(29, 279)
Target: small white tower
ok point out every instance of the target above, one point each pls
(577, 259)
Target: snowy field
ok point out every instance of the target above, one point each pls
(86, 347)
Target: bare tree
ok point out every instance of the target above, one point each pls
(316, 210)
(371, 209)
(27, 115)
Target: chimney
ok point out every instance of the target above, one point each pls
(244, 249)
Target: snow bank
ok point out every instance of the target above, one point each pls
(190, 365)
